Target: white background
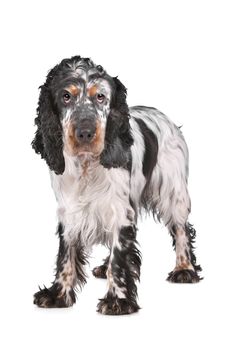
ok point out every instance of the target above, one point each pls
(176, 56)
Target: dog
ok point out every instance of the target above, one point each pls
(109, 164)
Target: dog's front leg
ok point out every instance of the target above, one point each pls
(69, 272)
(122, 273)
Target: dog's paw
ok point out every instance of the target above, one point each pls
(100, 271)
(112, 305)
(53, 297)
(183, 276)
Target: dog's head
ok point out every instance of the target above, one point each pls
(82, 110)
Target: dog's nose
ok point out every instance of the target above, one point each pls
(85, 134)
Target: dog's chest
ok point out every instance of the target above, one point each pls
(81, 189)
(91, 200)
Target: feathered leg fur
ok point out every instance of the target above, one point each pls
(186, 270)
(122, 273)
(69, 272)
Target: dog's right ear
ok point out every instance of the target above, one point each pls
(48, 137)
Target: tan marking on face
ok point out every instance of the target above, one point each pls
(73, 147)
(71, 142)
(98, 140)
(92, 91)
(73, 90)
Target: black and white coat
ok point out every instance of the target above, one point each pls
(108, 163)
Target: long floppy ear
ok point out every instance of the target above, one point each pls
(48, 137)
(118, 138)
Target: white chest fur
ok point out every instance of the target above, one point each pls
(93, 202)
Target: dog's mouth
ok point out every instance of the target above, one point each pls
(88, 154)
(83, 153)
(92, 149)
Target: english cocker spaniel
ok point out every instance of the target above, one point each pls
(108, 164)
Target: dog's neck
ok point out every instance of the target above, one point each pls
(82, 165)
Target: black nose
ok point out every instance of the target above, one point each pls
(85, 134)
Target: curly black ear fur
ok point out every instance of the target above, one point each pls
(48, 137)
(118, 138)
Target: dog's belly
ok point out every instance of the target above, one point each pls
(93, 208)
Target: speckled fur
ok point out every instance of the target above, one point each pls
(136, 161)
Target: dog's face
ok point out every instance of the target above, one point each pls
(82, 110)
(83, 98)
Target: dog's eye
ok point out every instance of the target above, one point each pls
(66, 97)
(100, 98)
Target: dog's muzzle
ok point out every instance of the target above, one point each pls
(86, 126)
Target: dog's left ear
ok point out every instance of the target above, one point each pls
(118, 138)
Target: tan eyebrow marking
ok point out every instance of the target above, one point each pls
(74, 90)
(92, 91)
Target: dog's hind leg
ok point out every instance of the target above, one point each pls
(101, 271)
(174, 208)
(186, 269)
(171, 202)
